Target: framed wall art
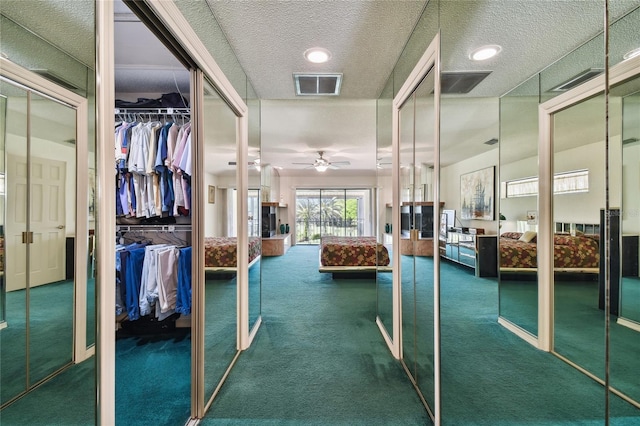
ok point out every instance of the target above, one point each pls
(212, 194)
(477, 194)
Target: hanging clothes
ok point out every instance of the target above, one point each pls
(153, 279)
(153, 169)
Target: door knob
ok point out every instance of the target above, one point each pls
(60, 226)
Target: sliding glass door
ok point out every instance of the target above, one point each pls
(335, 212)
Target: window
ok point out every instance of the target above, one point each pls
(337, 212)
(563, 183)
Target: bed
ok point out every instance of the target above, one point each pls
(221, 253)
(353, 254)
(578, 254)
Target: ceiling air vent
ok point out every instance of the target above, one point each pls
(491, 141)
(461, 82)
(577, 79)
(317, 84)
(56, 78)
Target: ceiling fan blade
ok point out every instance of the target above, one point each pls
(304, 164)
(339, 163)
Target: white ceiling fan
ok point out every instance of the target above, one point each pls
(321, 164)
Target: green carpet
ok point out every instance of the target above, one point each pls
(66, 400)
(630, 298)
(50, 340)
(319, 358)
(154, 369)
(519, 300)
(492, 377)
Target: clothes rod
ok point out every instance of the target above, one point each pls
(153, 228)
(156, 111)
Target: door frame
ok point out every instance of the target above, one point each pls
(430, 61)
(618, 73)
(34, 82)
(167, 15)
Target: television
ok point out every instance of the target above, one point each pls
(450, 216)
(447, 221)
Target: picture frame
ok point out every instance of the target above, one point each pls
(477, 194)
(212, 194)
(92, 194)
(532, 217)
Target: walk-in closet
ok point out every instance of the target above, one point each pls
(152, 145)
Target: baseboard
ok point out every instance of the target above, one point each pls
(628, 323)
(386, 337)
(521, 333)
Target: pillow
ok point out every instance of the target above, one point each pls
(528, 236)
(511, 235)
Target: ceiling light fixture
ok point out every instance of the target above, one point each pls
(321, 167)
(317, 55)
(631, 54)
(485, 52)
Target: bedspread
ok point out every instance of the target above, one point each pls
(569, 252)
(353, 251)
(222, 251)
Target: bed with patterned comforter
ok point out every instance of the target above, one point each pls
(578, 253)
(359, 253)
(221, 252)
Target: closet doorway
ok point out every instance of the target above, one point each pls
(43, 312)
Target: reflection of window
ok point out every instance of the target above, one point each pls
(570, 182)
(337, 212)
(520, 187)
(563, 183)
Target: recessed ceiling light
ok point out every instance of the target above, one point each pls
(485, 52)
(317, 55)
(632, 54)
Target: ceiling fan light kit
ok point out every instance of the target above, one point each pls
(321, 164)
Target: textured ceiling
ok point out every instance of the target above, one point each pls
(366, 39)
(66, 24)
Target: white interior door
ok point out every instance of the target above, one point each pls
(47, 256)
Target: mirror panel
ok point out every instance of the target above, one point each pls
(13, 336)
(92, 203)
(423, 238)
(406, 211)
(384, 194)
(52, 212)
(254, 204)
(220, 238)
(578, 142)
(624, 115)
(37, 330)
(624, 331)
(518, 285)
(66, 58)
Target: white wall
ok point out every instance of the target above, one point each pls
(450, 187)
(576, 208)
(585, 207)
(216, 217)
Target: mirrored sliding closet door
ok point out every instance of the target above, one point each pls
(39, 221)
